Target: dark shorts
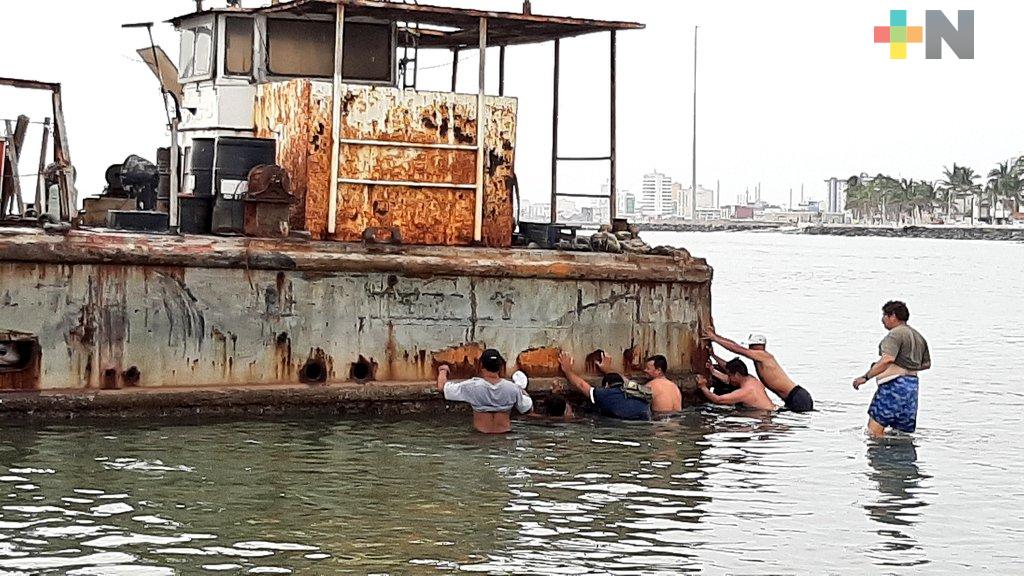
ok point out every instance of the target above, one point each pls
(895, 404)
(799, 400)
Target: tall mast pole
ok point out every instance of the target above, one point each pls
(693, 182)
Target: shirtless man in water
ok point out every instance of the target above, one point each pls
(665, 395)
(768, 369)
(491, 396)
(750, 391)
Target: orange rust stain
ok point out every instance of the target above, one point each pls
(282, 112)
(539, 362)
(464, 360)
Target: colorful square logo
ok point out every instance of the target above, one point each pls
(897, 34)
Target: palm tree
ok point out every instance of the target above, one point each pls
(860, 197)
(947, 188)
(919, 195)
(959, 183)
(1017, 194)
(968, 186)
(1002, 185)
(888, 192)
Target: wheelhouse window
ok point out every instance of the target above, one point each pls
(300, 47)
(368, 52)
(238, 46)
(196, 51)
(306, 48)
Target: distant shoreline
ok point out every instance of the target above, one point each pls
(1001, 233)
(719, 226)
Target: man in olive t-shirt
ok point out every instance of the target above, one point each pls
(902, 354)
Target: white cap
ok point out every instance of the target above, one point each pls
(520, 379)
(757, 339)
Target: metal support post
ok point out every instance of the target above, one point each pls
(339, 45)
(481, 132)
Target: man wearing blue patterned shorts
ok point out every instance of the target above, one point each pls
(902, 354)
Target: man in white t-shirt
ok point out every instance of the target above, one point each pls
(491, 396)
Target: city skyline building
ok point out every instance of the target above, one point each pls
(835, 194)
(656, 195)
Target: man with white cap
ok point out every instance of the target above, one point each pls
(769, 371)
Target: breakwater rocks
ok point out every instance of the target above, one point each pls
(1005, 233)
(713, 226)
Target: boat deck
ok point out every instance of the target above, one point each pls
(134, 249)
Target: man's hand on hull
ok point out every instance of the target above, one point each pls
(565, 361)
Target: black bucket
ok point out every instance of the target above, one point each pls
(228, 216)
(195, 214)
(202, 166)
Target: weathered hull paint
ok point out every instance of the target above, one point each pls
(242, 315)
(298, 114)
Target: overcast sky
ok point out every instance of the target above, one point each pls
(789, 92)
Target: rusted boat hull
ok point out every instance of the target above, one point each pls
(102, 311)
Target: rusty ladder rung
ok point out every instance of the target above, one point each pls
(410, 184)
(400, 144)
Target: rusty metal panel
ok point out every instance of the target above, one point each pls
(425, 215)
(281, 112)
(124, 326)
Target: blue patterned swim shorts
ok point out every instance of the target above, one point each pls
(895, 404)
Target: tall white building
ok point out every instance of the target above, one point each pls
(705, 200)
(835, 195)
(656, 195)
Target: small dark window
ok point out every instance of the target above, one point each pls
(306, 48)
(367, 52)
(300, 47)
(238, 46)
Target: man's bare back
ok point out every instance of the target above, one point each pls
(665, 396)
(750, 392)
(755, 395)
(771, 374)
(768, 369)
(492, 422)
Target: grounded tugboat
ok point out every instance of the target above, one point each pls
(321, 234)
